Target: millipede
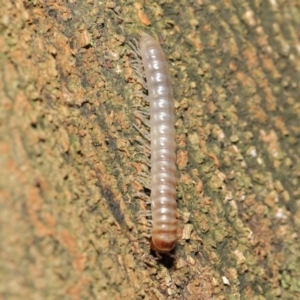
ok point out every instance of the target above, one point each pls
(162, 145)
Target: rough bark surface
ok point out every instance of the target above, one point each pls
(70, 160)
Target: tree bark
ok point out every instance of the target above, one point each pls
(71, 162)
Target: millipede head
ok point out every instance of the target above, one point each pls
(162, 245)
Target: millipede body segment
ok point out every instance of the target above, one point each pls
(162, 136)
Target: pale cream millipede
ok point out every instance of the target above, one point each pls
(162, 139)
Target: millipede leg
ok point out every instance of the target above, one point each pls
(143, 96)
(145, 135)
(144, 197)
(144, 213)
(144, 161)
(134, 45)
(143, 182)
(143, 116)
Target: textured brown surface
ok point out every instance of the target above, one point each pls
(69, 162)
